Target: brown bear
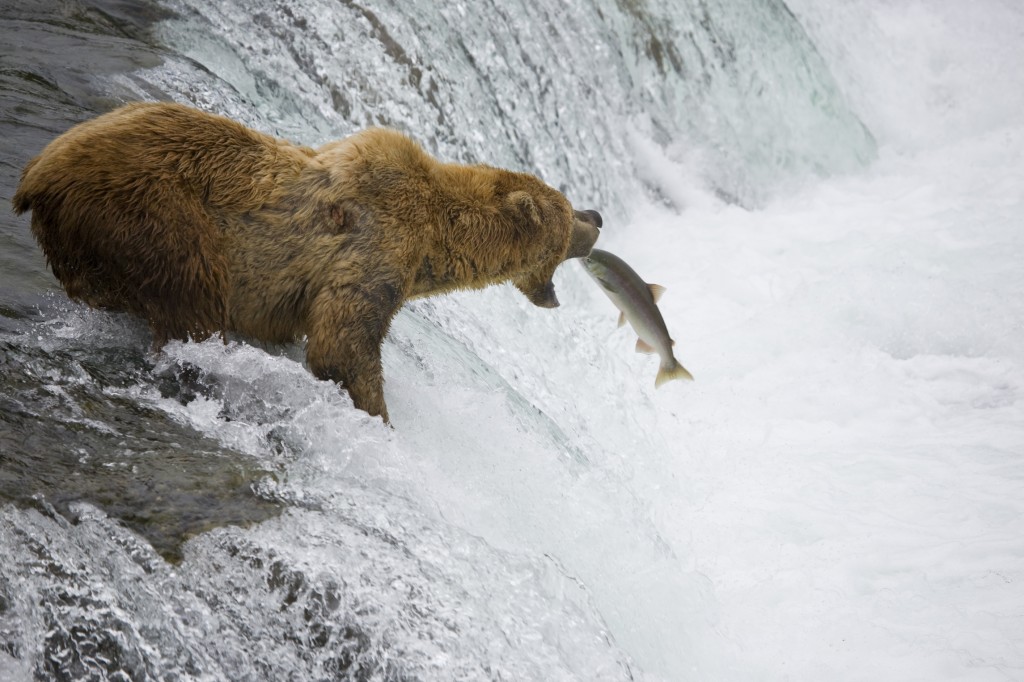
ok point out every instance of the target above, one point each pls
(202, 225)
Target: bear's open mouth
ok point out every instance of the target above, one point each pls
(545, 296)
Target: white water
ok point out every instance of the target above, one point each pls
(854, 442)
(839, 495)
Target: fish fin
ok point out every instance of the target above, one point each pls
(656, 291)
(622, 319)
(605, 284)
(676, 371)
(644, 347)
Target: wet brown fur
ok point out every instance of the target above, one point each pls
(202, 225)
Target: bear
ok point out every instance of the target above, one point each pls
(201, 225)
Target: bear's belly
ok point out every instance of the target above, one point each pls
(272, 282)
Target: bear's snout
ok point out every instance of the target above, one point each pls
(585, 231)
(590, 216)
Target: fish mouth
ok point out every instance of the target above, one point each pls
(593, 258)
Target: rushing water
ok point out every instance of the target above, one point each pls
(213, 512)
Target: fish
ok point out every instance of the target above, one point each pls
(637, 302)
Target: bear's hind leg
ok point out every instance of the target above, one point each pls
(158, 255)
(347, 326)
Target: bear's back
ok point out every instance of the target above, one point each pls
(131, 152)
(126, 209)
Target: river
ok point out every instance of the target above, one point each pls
(830, 192)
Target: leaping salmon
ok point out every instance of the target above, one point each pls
(637, 301)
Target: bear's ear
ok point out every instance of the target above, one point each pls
(523, 209)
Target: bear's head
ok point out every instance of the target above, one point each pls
(475, 225)
(548, 231)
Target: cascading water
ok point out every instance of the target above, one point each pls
(214, 512)
(547, 87)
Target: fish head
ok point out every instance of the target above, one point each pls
(607, 270)
(596, 264)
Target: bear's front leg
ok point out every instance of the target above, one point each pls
(347, 325)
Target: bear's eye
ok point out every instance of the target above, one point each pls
(557, 213)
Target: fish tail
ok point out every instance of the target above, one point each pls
(670, 372)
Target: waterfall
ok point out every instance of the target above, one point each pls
(552, 88)
(538, 512)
